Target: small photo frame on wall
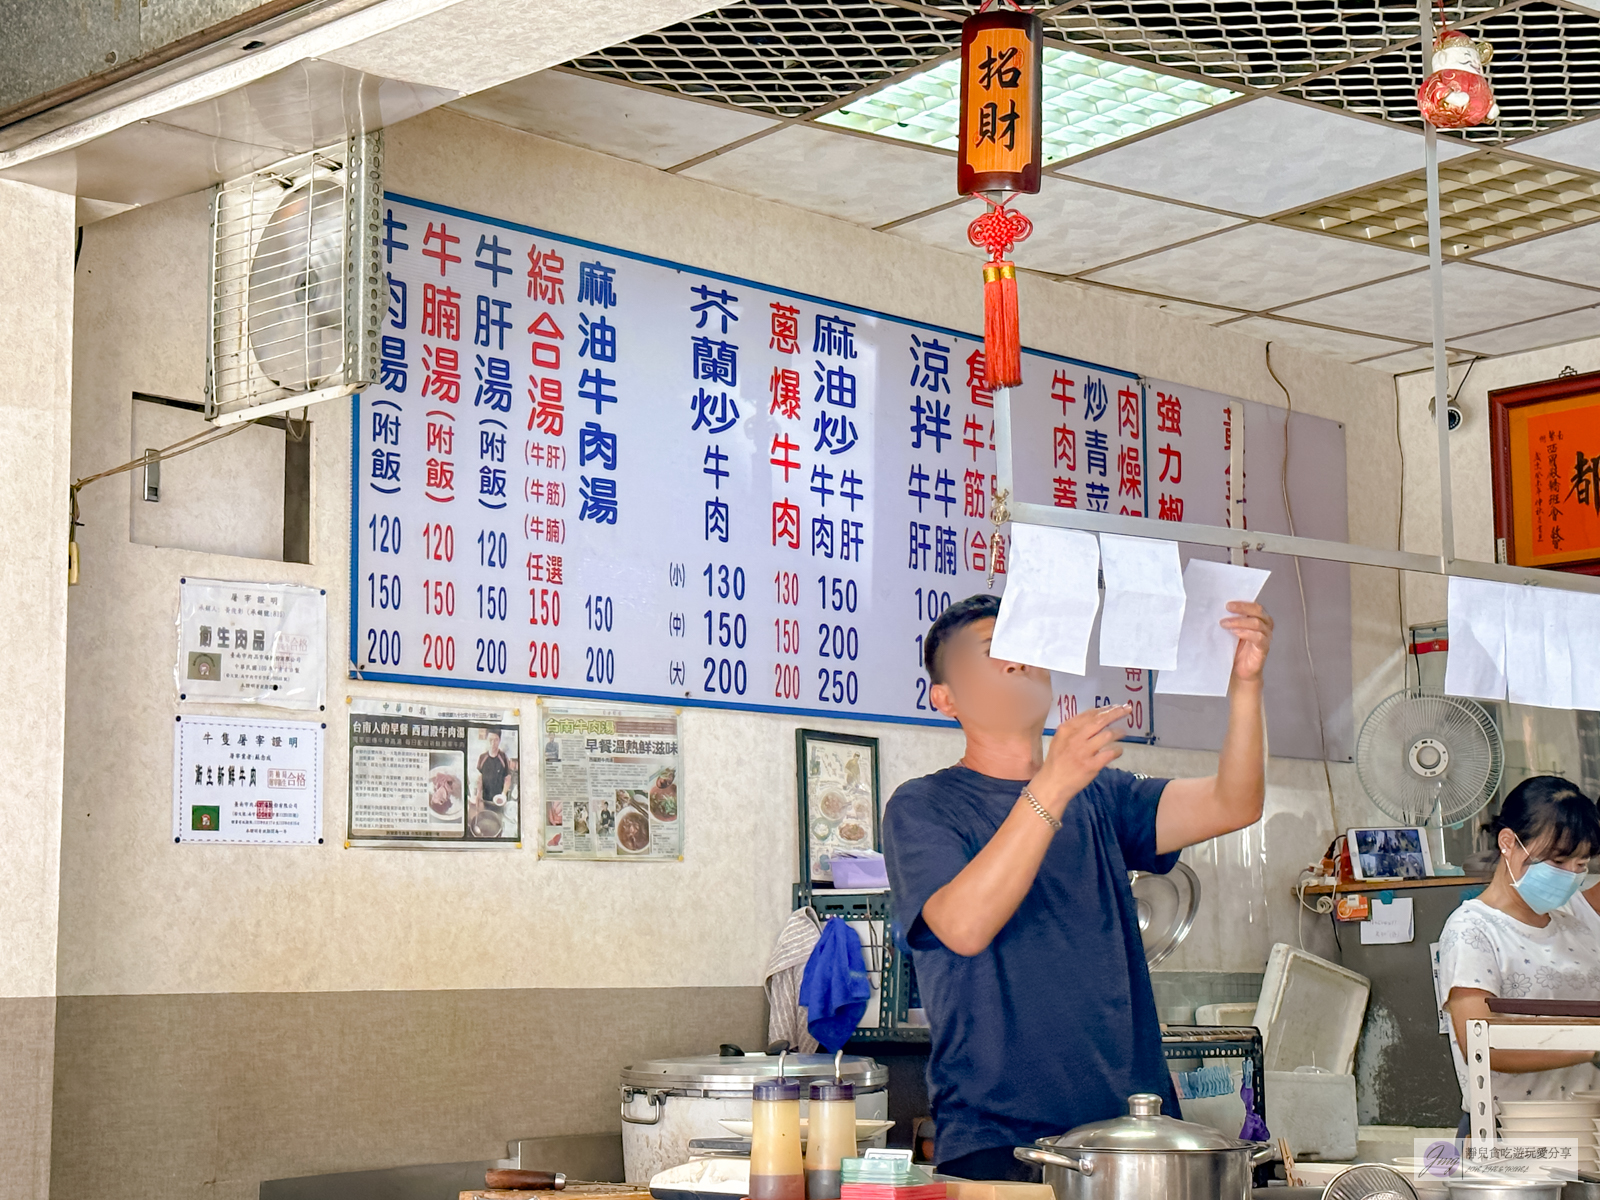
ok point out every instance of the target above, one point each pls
(837, 774)
(1544, 441)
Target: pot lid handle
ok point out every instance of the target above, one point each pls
(1144, 1104)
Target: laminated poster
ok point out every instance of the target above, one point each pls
(432, 775)
(252, 643)
(610, 780)
(247, 782)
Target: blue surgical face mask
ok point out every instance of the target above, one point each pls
(1545, 887)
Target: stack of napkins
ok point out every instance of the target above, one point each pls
(881, 1177)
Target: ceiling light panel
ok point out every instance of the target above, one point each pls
(1545, 73)
(1263, 44)
(1486, 201)
(778, 56)
(1087, 102)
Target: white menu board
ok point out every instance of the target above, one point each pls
(586, 472)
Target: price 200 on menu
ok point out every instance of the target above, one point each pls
(589, 472)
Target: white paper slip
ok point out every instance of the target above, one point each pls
(1390, 924)
(1538, 656)
(1205, 649)
(1583, 638)
(1476, 663)
(1052, 594)
(1144, 602)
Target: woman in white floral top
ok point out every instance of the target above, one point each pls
(1521, 938)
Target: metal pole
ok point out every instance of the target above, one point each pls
(1441, 362)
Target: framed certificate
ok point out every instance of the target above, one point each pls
(1544, 443)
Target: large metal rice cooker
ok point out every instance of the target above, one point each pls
(667, 1102)
(1144, 1155)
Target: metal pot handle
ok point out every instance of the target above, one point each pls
(1054, 1158)
(654, 1100)
(1264, 1152)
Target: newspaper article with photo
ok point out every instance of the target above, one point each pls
(610, 782)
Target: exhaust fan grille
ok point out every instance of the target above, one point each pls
(295, 281)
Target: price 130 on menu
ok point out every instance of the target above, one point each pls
(592, 473)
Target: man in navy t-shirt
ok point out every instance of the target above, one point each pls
(1010, 880)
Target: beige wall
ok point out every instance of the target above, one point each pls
(36, 238)
(157, 937)
(141, 915)
(1470, 477)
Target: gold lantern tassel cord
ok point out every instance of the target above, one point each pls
(999, 513)
(183, 446)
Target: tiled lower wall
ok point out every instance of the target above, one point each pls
(193, 1096)
(1181, 992)
(27, 1049)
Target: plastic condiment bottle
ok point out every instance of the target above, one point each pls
(832, 1137)
(776, 1170)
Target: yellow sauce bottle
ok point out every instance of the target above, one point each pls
(832, 1137)
(776, 1169)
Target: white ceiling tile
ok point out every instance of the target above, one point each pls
(1573, 254)
(1576, 145)
(1176, 308)
(648, 127)
(1257, 267)
(865, 180)
(1261, 157)
(1336, 343)
(1532, 335)
(1075, 226)
(1474, 298)
(946, 229)
(1420, 359)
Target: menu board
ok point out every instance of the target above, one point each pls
(587, 472)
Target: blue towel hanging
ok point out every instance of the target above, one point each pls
(835, 989)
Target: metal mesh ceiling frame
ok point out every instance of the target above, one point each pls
(788, 58)
(1545, 72)
(780, 56)
(1259, 43)
(1486, 200)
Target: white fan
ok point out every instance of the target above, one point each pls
(1425, 758)
(296, 296)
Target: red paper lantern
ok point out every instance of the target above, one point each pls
(1000, 150)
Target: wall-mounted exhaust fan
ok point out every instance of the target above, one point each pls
(296, 282)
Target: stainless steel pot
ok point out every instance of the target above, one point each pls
(1145, 1155)
(1505, 1189)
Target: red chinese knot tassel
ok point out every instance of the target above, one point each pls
(1002, 341)
(997, 231)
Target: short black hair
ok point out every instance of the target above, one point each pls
(1547, 806)
(958, 616)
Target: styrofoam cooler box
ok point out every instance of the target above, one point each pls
(1315, 1111)
(1309, 1013)
(1231, 1013)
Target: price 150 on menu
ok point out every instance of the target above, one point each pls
(592, 473)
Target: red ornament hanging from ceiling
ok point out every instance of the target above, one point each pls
(1456, 94)
(1000, 151)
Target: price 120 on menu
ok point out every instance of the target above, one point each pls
(588, 472)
